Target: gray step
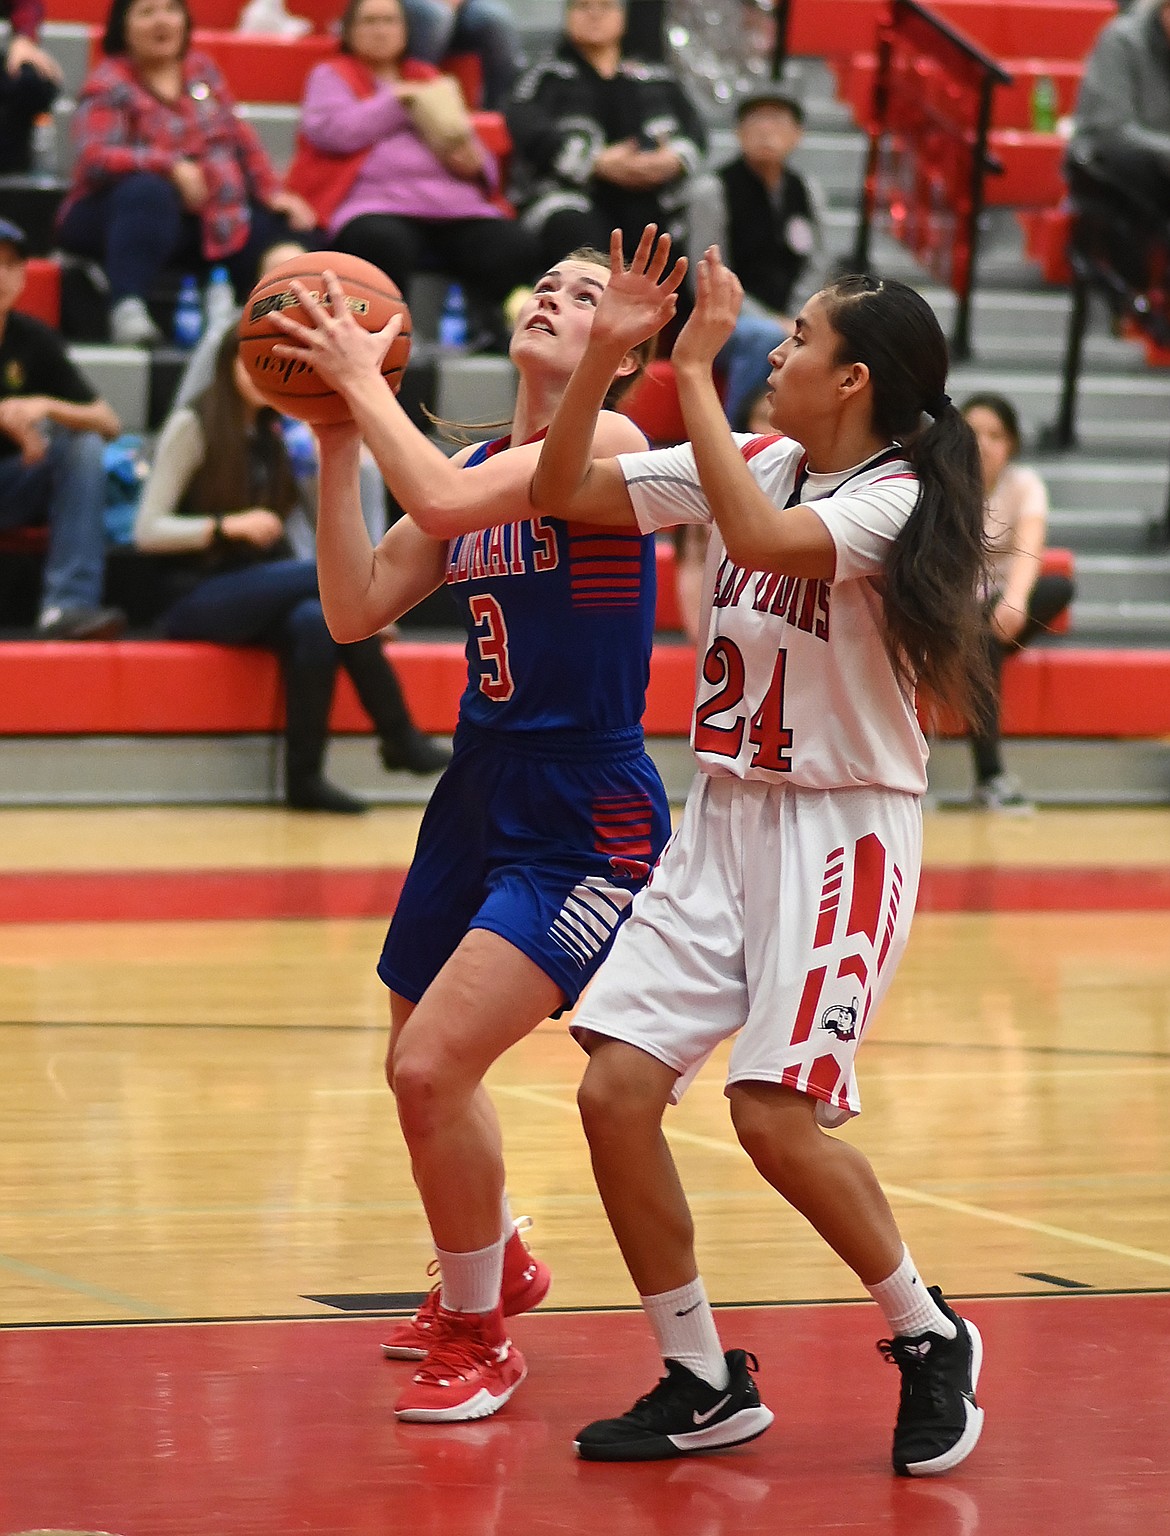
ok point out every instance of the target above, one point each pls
(1092, 530)
(1120, 621)
(1080, 481)
(69, 43)
(1124, 578)
(121, 375)
(1064, 772)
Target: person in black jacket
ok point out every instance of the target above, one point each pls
(601, 141)
(29, 81)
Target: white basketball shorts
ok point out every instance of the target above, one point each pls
(776, 914)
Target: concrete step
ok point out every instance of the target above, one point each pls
(1124, 529)
(1078, 480)
(1139, 579)
(1120, 622)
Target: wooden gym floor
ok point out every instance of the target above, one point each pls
(205, 1205)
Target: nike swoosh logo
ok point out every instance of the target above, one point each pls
(686, 1311)
(701, 1418)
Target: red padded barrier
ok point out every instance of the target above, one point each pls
(264, 69)
(42, 290)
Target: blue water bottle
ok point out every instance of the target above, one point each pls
(453, 320)
(188, 325)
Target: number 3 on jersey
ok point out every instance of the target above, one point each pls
(723, 666)
(491, 637)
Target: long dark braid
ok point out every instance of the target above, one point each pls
(935, 575)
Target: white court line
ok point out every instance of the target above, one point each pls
(900, 1191)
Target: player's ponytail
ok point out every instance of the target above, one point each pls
(935, 575)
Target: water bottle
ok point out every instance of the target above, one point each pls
(1045, 104)
(453, 320)
(188, 325)
(219, 302)
(300, 445)
(43, 149)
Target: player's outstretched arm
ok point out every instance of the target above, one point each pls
(363, 589)
(573, 479)
(758, 535)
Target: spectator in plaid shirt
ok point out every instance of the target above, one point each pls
(166, 173)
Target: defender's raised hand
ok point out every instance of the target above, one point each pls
(718, 296)
(640, 299)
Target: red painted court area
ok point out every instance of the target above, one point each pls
(254, 1429)
(52, 896)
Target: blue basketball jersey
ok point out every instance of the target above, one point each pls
(559, 619)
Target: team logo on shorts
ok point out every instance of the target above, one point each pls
(841, 1020)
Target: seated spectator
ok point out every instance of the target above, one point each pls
(601, 142)
(222, 515)
(51, 470)
(379, 187)
(1120, 148)
(768, 224)
(1022, 602)
(29, 81)
(166, 173)
(198, 376)
(483, 27)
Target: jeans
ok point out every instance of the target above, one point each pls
(485, 27)
(66, 489)
(139, 227)
(275, 604)
(743, 360)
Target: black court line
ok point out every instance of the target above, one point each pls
(720, 1306)
(1058, 1280)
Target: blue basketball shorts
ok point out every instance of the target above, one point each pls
(544, 842)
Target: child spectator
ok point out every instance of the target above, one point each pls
(51, 429)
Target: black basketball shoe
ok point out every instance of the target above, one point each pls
(682, 1415)
(939, 1420)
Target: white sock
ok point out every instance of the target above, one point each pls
(471, 1281)
(684, 1326)
(507, 1223)
(909, 1307)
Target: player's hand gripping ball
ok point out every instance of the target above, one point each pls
(292, 385)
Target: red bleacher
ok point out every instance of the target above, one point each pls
(42, 290)
(159, 687)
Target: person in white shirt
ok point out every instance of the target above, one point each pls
(1022, 600)
(846, 567)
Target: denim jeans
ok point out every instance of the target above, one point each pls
(744, 362)
(66, 489)
(485, 27)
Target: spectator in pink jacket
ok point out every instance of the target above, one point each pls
(166, 173)
(379, 188)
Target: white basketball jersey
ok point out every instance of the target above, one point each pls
(794, 682)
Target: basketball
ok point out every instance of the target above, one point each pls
(290, 385)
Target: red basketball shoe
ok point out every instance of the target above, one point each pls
(471, 1371)
(526, 1283)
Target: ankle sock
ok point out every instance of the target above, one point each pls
(908, 1306)
(684, 1326)
(471, 1281)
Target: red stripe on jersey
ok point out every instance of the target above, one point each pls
(758, 444)
(622, 825)
(605, 569)
(892, 916)
(807, 1012)
(881, 480)
(869, 880)
(854, 965)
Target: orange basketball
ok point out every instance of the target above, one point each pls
(289, 385)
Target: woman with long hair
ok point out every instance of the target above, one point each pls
(844, 569)
(551, 813)
(222, 514)
(1023, 600)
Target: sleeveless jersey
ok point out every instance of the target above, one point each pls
(559, 619)
(795, 684)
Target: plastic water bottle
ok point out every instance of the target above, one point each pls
(453, 320)
(1045, 104)
(219, 301)
(300, 445)
(43, 149)
(188, 325)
